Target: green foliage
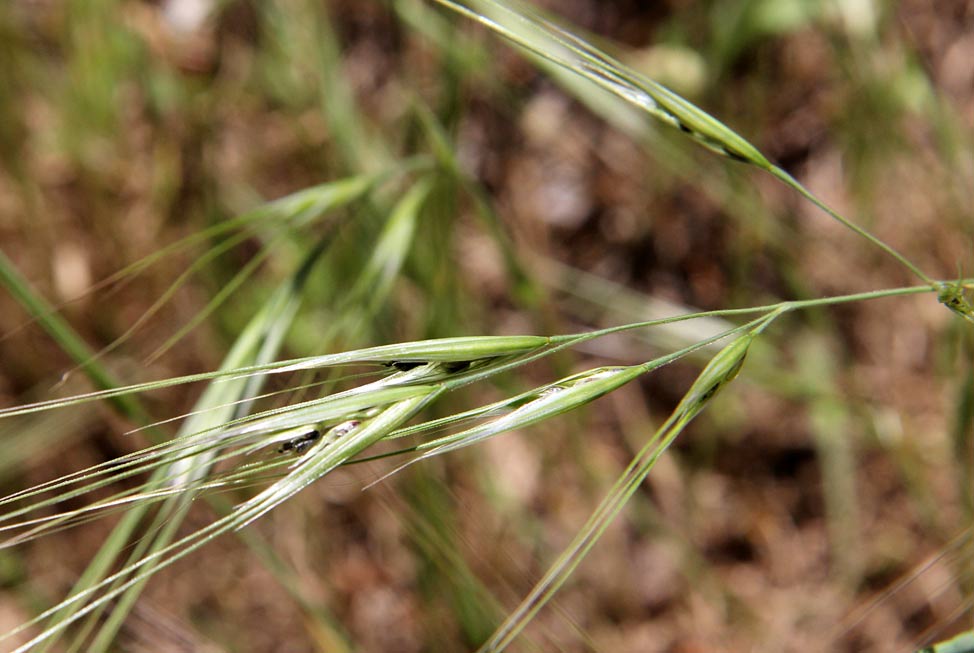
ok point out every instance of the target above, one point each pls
(319, 276)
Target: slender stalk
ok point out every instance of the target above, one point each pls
(807, 194)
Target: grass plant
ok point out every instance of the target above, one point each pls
(337, 267)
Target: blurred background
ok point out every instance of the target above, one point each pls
(786, 518)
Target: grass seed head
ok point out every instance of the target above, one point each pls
(720, 371)
(552, 400)
(402, 356)
(952, 296)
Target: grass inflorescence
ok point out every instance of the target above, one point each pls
(284, 305)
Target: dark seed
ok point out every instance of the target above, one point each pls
(405, 366)
(710, 392)
(735, 155)
(301, 443)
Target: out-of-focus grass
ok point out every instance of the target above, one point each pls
(840, 466)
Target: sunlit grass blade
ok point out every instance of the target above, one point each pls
(460, 349)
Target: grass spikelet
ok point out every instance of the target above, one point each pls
(952, 296)
(721, 370)
(327, 455)
(539, 405)
(541, 38)
(462, 349)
